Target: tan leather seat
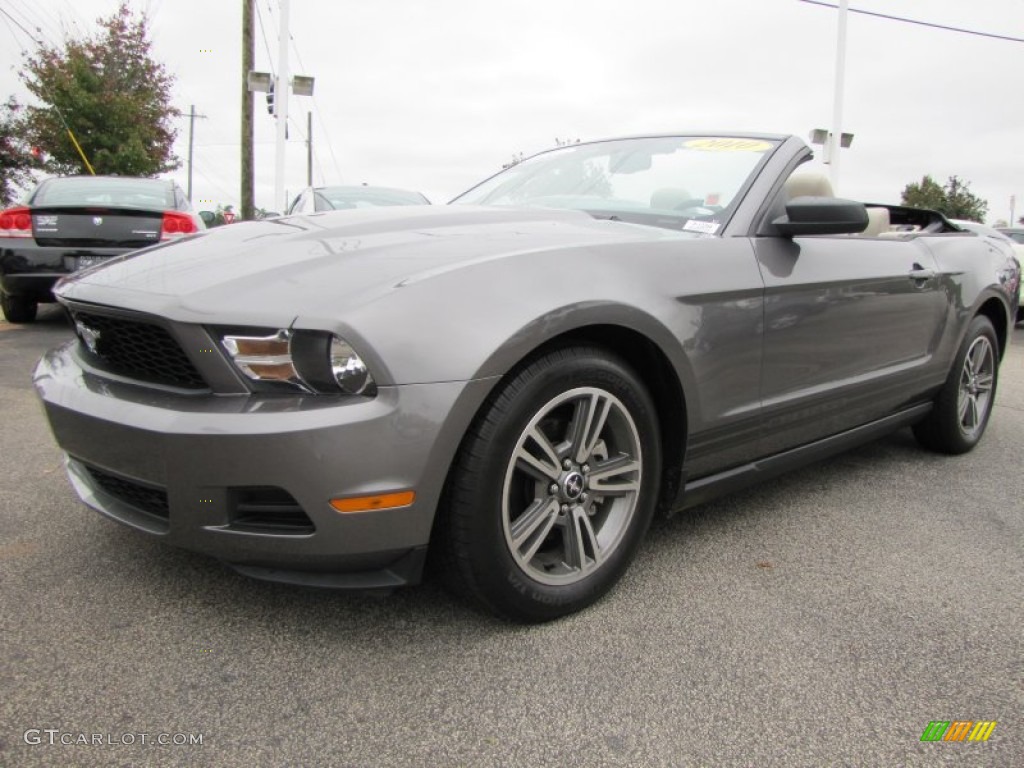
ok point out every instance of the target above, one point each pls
(808, 185)
(878, 222)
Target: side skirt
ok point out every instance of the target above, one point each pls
(706, 488)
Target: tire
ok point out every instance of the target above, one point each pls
(538, 520)
(18, 309)
(963, 406)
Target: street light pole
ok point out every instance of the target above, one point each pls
(837, 107)
(281, 107)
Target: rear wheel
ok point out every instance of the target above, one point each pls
(964, 404)
(18, 309)
(553, 488)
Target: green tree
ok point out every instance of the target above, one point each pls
(954, 199)
(16, 161)
(111, 94)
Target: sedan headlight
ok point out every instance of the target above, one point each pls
(311, 361)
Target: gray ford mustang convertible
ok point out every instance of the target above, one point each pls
(515, 383)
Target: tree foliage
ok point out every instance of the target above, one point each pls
(16, 161)
(110, 92)
(954, 199)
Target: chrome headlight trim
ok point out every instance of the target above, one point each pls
(317, 362)
(349, 370)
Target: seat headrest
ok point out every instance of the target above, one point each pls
(878, 221)
(808, 185)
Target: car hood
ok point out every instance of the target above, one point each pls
(345, 258)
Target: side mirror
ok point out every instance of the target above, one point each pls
(209, 218)
(822, 216)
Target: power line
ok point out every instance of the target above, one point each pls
(34, 21)
(920, 23)
(74, 18)
(319, 116)
(55, 18)
(263, 33)
(199, 169)
(327, 136)
(17, 40)
(22, 28)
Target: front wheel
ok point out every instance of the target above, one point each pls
(554, 487)
(963, 406)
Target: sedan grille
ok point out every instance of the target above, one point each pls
(147, 498)
(136, 349)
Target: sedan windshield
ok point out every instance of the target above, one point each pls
(99, 190)
(367, 197)
(679, 182)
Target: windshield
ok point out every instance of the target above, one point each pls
(99, 190)
(368, 197)
(680, 182)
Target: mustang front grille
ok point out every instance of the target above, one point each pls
(136, 349)
(144, 497)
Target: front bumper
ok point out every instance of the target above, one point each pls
(200, 454)
(31, 270)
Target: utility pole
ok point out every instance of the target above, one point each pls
(837, 108)
(281, 107)
(309, 149)
(248, 209)
(191, 131)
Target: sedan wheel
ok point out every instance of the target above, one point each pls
(553, 489)
(961, 411)
(18, 309)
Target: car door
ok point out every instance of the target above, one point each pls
(850, 327)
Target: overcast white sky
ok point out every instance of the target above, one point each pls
(435, 95)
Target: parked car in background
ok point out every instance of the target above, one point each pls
(1014, 233)
(1010, 236)
(73, 222)
(317, 199)
(513, 384)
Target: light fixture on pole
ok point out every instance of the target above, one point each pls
(823, 137)
(302, 85)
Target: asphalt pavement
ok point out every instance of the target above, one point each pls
(823, 619)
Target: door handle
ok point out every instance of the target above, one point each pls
(920, 273)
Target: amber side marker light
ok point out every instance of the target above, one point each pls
(374, 503)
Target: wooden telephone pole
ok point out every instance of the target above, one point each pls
(248, 209)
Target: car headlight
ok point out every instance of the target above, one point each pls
(311, 361)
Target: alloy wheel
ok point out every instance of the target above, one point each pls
(976, 382)
(572, 486)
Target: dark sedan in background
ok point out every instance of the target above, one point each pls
(74, 222)
(520, 380)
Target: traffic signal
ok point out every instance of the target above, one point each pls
(270, 98)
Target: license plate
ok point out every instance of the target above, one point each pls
(90, 261)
